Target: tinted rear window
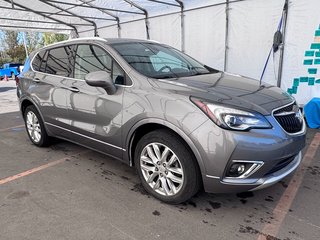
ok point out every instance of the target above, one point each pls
(59, 61)
(36, 63)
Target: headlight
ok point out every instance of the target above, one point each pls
(230, 118)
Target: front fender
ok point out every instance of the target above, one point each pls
(166, 124)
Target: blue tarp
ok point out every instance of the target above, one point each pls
(312, 113)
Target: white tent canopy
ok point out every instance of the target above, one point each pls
(85, 15)
(231, 35)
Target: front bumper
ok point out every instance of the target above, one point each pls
(219, 148)
(214, 184)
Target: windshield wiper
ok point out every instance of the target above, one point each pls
(166, 76)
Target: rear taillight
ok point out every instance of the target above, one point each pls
(17, 80)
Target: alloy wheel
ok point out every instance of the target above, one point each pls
(161, 169)
(33, 127)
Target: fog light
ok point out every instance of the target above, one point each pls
(236, 169)
(243, 169)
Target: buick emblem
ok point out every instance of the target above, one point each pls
(298, 114)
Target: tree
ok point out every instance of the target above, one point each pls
(11, 39)
(50, 38)
(13, 47)
(34, 40)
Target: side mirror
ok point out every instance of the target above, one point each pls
(101, 79)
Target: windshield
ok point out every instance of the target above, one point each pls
(158, 61)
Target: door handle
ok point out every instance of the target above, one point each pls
(36, 80)
(74, 89)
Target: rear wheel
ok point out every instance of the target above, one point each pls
(166, 167)
(35, 127)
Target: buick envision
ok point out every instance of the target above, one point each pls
(182, 124)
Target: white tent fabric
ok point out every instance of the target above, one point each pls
(251, 35)
(205, 35)
(243, 42)
(299, 57)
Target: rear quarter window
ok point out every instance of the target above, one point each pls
(38, 59)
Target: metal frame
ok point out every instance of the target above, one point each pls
(285, 18)
(101, 8)
(182, 25)
(57, 14)
(38, 21)
(226, 40)
(43, 15)
(67, 11)
(166, 3)
(69, 8)
(181, 6)
(105, 12)
(28, 27)
(145, 12)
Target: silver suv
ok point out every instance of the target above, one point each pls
(182, 124)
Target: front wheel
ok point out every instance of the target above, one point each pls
(166, 167)
(35, 127)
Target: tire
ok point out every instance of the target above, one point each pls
(13, 76)
(35, 127)
(173, 173)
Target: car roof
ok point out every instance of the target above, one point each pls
(108, 41)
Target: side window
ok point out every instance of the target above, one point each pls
(60, 61)
(36, 63)
(90, 58)
(118, 75)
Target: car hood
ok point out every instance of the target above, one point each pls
(236, 91)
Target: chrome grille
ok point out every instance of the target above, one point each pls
(290, 118)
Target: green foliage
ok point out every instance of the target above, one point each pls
(4, 58)
(13, 49)
(50, 38)
(34, 40)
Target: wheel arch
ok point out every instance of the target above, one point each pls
(28, 102)
(145, 126)
(24, 104)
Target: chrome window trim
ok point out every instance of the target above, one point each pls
(67, 41)
(82, 135)
(291, 134)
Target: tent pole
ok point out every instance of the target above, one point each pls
(25, 43)
(145, 13)
(56, 14)
(166, 3)
(38, 21)
(182, 26)
(285, 18)
(226, 47)
(106, 12)
(82, 18)
(43, 15)
(100, 8)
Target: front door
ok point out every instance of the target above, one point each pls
(95, 116)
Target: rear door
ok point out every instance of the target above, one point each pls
(52, 69)
(96, 117)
